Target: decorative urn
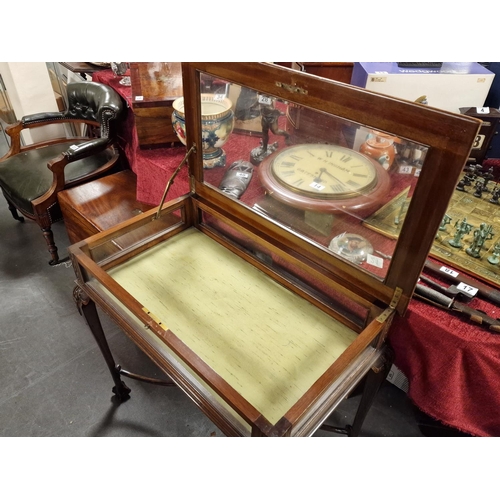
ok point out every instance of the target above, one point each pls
(217, 122)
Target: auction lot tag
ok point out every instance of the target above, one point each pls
(464, 287)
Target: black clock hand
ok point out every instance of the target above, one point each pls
(331, 175)
(318, 179)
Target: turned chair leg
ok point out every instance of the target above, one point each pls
(13, 211)
(49, 238)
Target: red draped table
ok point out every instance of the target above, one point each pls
(153, 167)
(453, 366)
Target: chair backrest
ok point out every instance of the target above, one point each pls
(94, 101)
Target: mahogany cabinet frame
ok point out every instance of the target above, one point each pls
(448, 137)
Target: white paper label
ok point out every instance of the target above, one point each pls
(451, 272)
(483, 111)
(139, 98)
(317, 186)
(375, 261)
(219, 97)
(264, 99)
(73, 147)
(417, 172)
(467, 288)
(243, 175)
(405, 170)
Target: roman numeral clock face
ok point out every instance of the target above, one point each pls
(324, 178)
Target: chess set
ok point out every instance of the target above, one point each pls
(469, 235)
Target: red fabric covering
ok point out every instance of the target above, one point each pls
(452, 365)
(153, 167)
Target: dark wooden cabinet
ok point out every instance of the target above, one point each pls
(155, 86)
(338, 71)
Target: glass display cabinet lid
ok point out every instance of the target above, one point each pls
(347, 177)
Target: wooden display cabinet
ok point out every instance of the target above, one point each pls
(270, 308)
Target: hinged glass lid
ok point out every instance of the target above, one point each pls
(339, 174)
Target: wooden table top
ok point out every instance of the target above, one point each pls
(155, 82)
(83, 67)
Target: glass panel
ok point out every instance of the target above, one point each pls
(331, 181)
(149, 229)
(332, 296)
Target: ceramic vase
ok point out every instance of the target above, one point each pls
(217, 122)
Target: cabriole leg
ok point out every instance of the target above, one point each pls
(88, 309)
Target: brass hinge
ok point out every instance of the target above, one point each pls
(291, 88)
(382, 318)
(154, 318)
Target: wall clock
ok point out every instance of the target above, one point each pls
(324, 178)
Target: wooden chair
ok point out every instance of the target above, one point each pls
(31, 176)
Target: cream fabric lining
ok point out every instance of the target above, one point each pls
(268, 343)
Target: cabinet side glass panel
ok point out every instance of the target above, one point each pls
(121, 243)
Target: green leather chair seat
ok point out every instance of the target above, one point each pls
(25, 177)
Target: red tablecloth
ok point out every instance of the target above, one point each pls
(153, 167)
(453, 366)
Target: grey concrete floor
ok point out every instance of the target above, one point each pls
(54, 381)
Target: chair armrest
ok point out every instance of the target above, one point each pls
(78, 151)
(74, 153)
(42, 118)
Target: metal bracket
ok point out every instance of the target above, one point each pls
(382, 318)
(171, 180)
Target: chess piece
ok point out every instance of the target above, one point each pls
(488, 176)
(461, 185)
(446, 220)
(495, 194)
(481, 235)
(478, 193)
(473, 169)
(462, 228)
(469, 178)
(495, 258)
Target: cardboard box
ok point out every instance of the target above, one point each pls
(453, 86)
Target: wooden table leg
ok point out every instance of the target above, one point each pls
(374, 380)
(88, 309)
